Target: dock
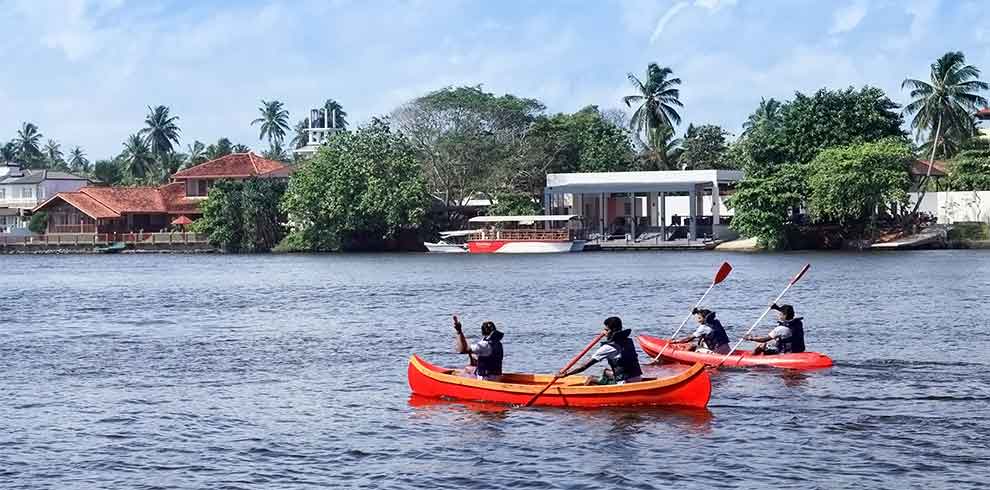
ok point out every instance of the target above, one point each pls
(644, 245)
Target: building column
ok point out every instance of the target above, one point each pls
(716, 209)
(602, 212)
(632, 227)
(693, 213)
(654, 210)
(547, 207)
(663, 216)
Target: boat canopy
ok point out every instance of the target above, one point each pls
(523, 219)
(448, 234)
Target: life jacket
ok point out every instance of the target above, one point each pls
(717, 336)
(491, 365)
(627, 364)
(795, 343)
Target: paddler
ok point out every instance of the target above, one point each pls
(710, 334)
(485, 355)
(787, 337)
(620, 352)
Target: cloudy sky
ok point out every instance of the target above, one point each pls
(86, 70)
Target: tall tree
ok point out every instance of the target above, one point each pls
(78, 161)
(138, 159)
(8, 152)
(767, 113)
(53, 153)
(221, 148)
(661, 151)
(28, 144)
(277, 153)
(945, 103)
(656, 99)
(300, 133)
(274, 121)
(196, 154)
(161, 131)
(239, 148)
(705, 148)
(334, 108)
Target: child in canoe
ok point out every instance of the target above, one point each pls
(710, 334)
(787, 337)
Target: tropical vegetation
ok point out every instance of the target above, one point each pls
(244, 216)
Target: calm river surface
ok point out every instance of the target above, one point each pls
(264, 372)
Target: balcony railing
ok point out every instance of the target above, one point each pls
(18, 202)
(541, 235)
(57, 239)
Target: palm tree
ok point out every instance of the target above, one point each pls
(78, 161)
(222, 147)
(947, 100)
(161, 130)
(656, 98)
(277, 153)
(301, 134)
(661, 151)
(767, 112)
(274, 121)
(340, 117)
(138, 159)
(53, 152)
(196, 154)
(8, 152)
(28, 144)
(239, 148)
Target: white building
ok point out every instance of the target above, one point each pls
(317, 134)
(22, 190)
(672, 205)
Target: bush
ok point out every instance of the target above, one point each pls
(970, 231)
(39, 222)
(244, 216)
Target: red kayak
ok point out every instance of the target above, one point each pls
(690, 388)
(740, 358)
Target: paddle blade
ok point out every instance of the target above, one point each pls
(800, 274)
(722, 273)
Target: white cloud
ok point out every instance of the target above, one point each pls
(921, 12)
(714, 5)
(847, 18)
(662, 23)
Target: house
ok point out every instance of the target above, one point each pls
(135, 209)
(22, 190)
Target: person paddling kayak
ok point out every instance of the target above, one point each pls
(485, 355)
(787, 337)
(710, 334)
(620, 352)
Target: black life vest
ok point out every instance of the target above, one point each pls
(717, 336)
(627, 364)
(795, 343)
(491, 365)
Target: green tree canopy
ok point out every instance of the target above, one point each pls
(360, 189)
(970, 171)
(274, 121)
(704, 147)
(244, 216)
(161, 130)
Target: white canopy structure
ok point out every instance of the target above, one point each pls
(523, 220)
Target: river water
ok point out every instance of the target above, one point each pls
(263, 372)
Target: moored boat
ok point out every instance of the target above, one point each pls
(527, 234)
(740, 358)
(450, 242)
(690, 388)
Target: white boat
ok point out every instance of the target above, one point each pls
(527, 234)
(451, 242)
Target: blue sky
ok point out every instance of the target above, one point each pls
(86, 70)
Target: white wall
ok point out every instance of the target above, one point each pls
(950, 207)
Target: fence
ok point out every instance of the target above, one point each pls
(59, 239)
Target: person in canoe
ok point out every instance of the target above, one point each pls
(620, 353)
(786, 338)
(710, 334)
(485, 355)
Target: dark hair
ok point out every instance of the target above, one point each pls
(705, 313)
(613, 323)
(787, 310)
(487, 328)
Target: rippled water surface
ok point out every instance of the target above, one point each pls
(289, 372)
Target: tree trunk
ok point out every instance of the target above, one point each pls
(923, 187)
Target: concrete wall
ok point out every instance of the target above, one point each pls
(950, 207)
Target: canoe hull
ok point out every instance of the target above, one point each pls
(678, 353)
(691, 388)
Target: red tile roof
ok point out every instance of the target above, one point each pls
(112, 202)
(983, 113)
(235, 165)
(920, 167)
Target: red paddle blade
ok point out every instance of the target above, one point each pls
(800, 274)
(722, 273)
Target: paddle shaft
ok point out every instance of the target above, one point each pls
(568, 366)
(688, 317)
(760, 319)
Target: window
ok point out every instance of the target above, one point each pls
(3, 193)
(628, 208)
(26, 192)
(203, 188)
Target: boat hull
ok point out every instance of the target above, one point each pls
(524, 246)
(691, 388)
(445, 248)
(679, 353)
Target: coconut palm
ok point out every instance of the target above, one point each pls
(656, 99)
(339, 116)
(53, 152)
(78, 161)
(221, 148)
(301, 134)
(8, 152)
(28, 144)
(138, 159)
(274, 121)
(945, 102)
(276, 152)
(161, 131)
(661, 151)
(239, 148)
(196, 154)
(767, 112)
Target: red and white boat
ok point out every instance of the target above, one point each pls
(527, 234)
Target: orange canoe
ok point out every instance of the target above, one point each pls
(740, 358)
(691, 388)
